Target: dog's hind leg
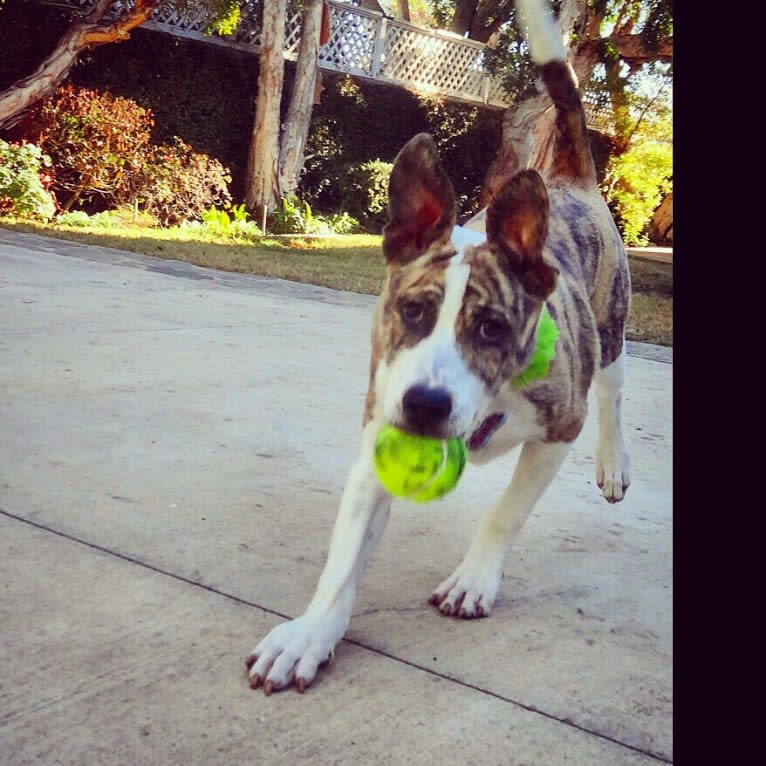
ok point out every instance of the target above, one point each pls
(612, 460)
(471, 590)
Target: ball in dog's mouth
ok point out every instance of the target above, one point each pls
(419, 468)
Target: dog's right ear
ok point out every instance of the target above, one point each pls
(421, 202)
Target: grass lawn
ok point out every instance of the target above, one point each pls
(350, 262)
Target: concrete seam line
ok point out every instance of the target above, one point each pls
(237, 599)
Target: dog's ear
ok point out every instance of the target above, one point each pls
(421, 202)
(517, 226)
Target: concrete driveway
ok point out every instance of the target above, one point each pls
(173, 446)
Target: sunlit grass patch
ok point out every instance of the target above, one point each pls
(351, 262)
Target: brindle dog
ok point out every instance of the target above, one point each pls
(455, 325)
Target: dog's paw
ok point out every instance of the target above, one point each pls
(469, 591)
(292, 652)
(612, 470)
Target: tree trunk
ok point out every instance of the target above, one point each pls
(527, 142)
(479, 19)
(463, 16)
(403, 9)
(661, 226)
(84, 34)
(296, 129)
(528, 133)
(262, 172)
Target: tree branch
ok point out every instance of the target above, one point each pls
(120, 28)
(629, 47)
(633, 52)
(82, 35)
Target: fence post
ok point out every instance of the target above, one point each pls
(376, 65)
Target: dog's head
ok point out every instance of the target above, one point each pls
(458, 315)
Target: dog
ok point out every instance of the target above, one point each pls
(455, 325)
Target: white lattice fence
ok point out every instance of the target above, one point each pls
(367, 44)
(352, 47)
(433, 62)
(599, 115)
(190, 20)
(363, 43)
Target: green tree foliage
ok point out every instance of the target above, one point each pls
(477, 19)
(643, 176)
(638, 179)
(658, 25)
(622, 52)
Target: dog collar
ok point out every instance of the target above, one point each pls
(545, 350)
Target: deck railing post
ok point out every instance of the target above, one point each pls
(485, 83)
(381, 28)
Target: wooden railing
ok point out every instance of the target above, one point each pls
(362, 43)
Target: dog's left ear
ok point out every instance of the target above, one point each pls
(517, 226)
(421, 202)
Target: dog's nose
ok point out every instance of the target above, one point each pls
(426, 409)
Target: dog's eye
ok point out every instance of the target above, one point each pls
(492, 330)
(412, 312)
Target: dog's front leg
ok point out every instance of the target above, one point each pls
(293, 651)
(471, 589)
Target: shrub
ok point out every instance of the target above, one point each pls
(120, 217)
(364, 188)
(101, 149)
(232, 223)
(296, 217)
(97, 143)
(177, 184)
(343, 223)
(23, 181)
(74, 218)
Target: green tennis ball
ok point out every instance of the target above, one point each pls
(418, 467)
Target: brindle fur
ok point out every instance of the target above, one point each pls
(490, 291)
(549, 239)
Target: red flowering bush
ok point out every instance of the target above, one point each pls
(100, 147)
(96, 141)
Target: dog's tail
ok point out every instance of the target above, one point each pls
(572, 157)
